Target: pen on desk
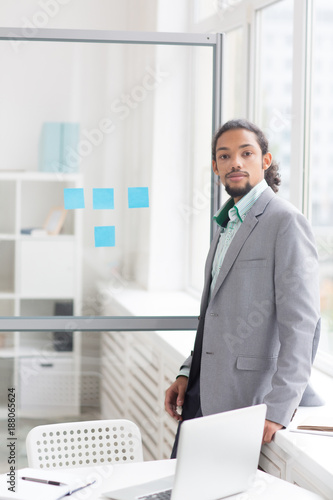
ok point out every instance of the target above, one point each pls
(44, 481)
(81, 487)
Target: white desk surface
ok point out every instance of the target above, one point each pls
(265, 487)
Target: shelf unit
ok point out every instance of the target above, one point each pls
(36, 273)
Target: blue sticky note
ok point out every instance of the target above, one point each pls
(73, 198)
(105, 236)
(103, 198)
(138, 197)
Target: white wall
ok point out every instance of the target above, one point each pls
(71, 14)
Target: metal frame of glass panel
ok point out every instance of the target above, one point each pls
(118, 323)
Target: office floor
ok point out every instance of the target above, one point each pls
(23, 427)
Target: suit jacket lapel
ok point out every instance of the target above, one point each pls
(208, 272)
(196, 359)
(241, 236)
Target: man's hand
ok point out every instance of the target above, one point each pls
(174, 397)
(269, 431)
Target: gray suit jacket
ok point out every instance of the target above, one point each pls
(258, 334)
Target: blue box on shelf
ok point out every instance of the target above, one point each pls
(58, 147)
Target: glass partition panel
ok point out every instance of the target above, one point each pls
(101, 161)
(274, 82)
(321, 182)
(97, 375)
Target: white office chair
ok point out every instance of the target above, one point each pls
(82, 444)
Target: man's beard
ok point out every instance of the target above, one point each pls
(238, 192)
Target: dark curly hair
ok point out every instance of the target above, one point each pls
(272, 175)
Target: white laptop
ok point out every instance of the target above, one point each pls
(217, 456)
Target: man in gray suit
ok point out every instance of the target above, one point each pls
(259, 318)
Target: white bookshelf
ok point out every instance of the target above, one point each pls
(36, 272)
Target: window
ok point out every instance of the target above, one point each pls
(321, 183)
(287, 45)
(274, 82)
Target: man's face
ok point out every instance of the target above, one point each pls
(239, 162)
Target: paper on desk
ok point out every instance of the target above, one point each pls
(29, 490)
(315, 424)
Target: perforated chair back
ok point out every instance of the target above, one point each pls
(82, 444)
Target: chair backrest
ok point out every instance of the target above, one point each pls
(82, 444)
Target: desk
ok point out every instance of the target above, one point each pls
(300, 457)
(265, 487)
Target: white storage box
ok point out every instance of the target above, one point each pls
(47, 268)
(48, 385)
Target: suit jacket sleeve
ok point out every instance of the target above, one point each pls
(297, 314)
(187, 363)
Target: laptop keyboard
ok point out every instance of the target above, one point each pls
(162, 495)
